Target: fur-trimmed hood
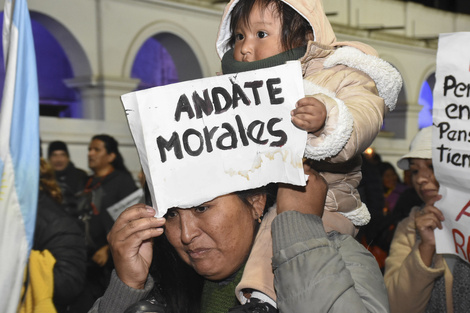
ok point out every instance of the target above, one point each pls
(311, 10)
(387, 79)
(351, 53)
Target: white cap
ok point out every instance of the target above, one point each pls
(420, 148)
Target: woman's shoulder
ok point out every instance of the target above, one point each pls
(53, 221)
(121, 176)
(49, 209)
(119, 173)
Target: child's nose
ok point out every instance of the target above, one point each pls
(246, 47)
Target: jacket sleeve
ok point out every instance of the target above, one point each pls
(63, 237)
(361, 88)
(118, 296)
(409, 281)
(127, 186)
(355, 115)
(67, 245)
(331, 273)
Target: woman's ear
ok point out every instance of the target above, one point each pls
(258, 202)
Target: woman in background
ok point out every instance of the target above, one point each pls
(418, 279)
(62, 236)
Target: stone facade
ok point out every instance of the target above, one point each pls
(101, 39)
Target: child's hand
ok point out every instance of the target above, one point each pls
(309, 115)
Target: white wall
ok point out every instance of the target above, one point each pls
(102, 37)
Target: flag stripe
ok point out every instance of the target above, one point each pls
(19, 153)
(24, 137)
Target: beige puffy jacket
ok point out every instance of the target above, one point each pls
(357, 89)
(409, 281)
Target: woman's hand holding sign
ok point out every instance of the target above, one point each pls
(426, 221)
(130, 241)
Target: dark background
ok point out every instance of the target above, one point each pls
(456, 6)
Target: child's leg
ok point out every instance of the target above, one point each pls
(344, 210)
(340, 223)
(258, 274)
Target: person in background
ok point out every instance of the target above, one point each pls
(378, 234)
(418, 279)
(371, 191)
(109, 183)
(370, 187)
(407, 200)
(71, 180)
(392, 186)
(60, 234)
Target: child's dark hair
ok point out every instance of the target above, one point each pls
(295, 28)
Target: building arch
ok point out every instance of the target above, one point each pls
(153, 65)
(427, 72)
(75, 57)
(73, 49)
(426, 100)
(55, 67)
(187, 56)
(395, 121)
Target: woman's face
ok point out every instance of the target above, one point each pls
(423, 179)
(390, 178)
(214, 238)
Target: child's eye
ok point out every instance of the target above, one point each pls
(239, 37)
(262, 34)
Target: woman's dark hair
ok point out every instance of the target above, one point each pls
(295, 28)
(176, 283)
(383, 167)
(112, 146)
(48, 182)
(270, 191)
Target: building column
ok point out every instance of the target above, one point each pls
(412, 120)
(101, 96)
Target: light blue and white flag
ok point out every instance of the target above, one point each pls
(19, 152)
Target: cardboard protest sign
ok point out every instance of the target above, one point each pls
(451, 142)
(116, 209)
(208, 137)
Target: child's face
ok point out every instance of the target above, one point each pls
(261, 38)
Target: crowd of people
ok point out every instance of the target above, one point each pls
(205, 259)
(72, 224)
(277, 248)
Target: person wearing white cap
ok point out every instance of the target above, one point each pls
(418, 279)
